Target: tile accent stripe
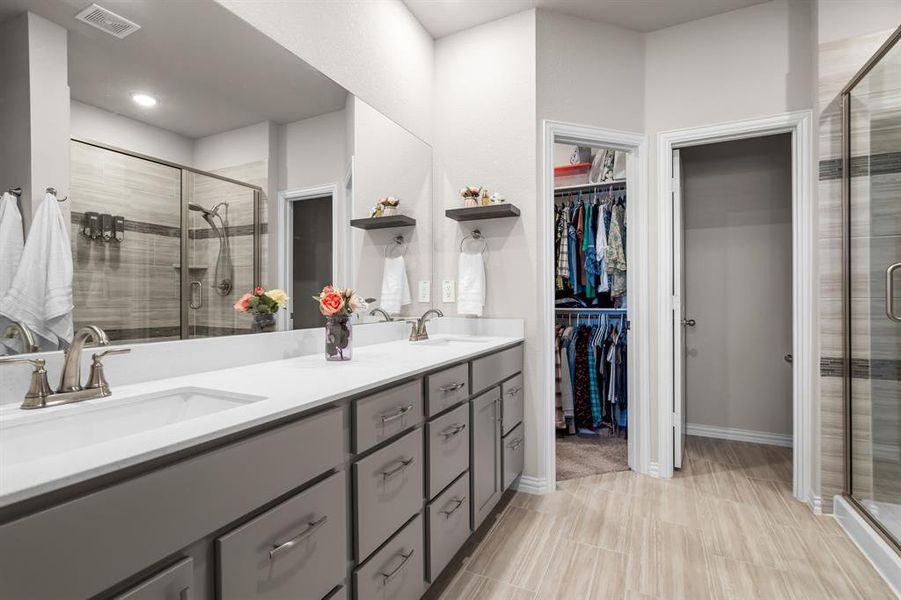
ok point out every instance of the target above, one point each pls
(876, 164)
(174, 232)
(880, 369)
(173, 332)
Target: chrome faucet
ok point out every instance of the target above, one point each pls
(40, 394)
(419, 332)
(25, 336)
(380, 311)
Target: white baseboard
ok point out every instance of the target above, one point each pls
(654, 469)
(815, 502)
(884, 559)
(739, 435)
(531, 485)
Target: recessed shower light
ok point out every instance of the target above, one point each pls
(144, 100)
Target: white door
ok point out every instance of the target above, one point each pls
(678, 317)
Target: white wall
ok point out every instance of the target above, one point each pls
(485, 134)
(97, 125)
(589, 73)
(391, 161)
(232, 148)
(738, 284)
(377, 50)
(841, 19)
(15, 127)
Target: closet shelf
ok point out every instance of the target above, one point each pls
(383, 222)
(584, 186)
(571, 169)
(477, 213)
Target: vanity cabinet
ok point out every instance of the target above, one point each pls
(486, 454)
(369, 497)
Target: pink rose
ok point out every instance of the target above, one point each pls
(258, 291)
(243, 304)
(331, 303)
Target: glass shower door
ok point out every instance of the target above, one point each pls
(873, 290)
(221, 251)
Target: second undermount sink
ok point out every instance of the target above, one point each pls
(453, 340)
(25, 438)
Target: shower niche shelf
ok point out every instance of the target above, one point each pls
(477, 213)
(384, 222)
(177, 267)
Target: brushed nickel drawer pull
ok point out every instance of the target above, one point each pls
(386, 577)
(312, 526)
(515, 444)
(452, 387)
(453, 430)
(513, 391)
(457, 502)
(400, 412)
(402, 464)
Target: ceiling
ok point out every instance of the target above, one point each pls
(443, 17)
(210, 70)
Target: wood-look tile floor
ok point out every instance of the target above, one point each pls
(725, 527)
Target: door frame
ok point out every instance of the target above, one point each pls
(637, 213)
(285, 245)
(804, 279)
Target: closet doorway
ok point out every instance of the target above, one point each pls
(734, 203)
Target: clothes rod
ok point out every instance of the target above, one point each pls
(585, 186)
(591, 311)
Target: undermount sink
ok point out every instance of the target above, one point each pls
(453, 341)
(25, 438)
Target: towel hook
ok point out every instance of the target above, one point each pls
(52, 192)
(475, 235)
(15, 191)
(398, 243)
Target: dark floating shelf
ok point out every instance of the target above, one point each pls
(383, 222)
(492, 211)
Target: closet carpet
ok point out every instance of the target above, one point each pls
(725, 527)
(583, 455)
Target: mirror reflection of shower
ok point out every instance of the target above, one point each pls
(224, 273)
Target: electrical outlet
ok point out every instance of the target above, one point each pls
(425, 290)
(447, 291)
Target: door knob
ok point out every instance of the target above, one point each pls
(688, 322)
(789, 358)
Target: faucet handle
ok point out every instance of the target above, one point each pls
(97, 380)
(39, 389)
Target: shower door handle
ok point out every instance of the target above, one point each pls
(196, 295)
(890, 292)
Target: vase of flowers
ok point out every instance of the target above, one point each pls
(471, 195)
(339, 306)
(263, 305)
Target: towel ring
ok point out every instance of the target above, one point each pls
(475, 235)
(398, 244)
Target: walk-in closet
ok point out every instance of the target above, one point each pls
(590, 309)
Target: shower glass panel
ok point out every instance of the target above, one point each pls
(873, 289)
(128, 287)
(220, 251)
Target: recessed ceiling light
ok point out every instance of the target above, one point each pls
(144, 100)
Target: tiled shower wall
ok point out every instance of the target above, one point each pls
(839, 61)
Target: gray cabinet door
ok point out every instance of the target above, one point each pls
(512, 393)
(448, 520)
(448, 440)
(397, 571)
(389, 490)
(173, 583)
(296, 550)
(485, 465)
(514, 455)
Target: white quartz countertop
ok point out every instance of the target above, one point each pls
(290, 386)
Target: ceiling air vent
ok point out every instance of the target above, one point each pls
(108, 21)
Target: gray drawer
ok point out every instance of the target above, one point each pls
(296, 550)
(388, 486)
(494, 368)
(173, 583)
(448, 439)
(448, 519)
(511, 407)
(396, 572)
(514, 443)
(447, 388)
(161, 511)
(383, 415)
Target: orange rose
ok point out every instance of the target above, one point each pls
(243, 304)
(331, 302)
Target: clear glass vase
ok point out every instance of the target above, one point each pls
(338, 338)
(263, 322)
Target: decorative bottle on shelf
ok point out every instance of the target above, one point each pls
(338, 338)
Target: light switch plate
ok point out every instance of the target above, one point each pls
(425, 290)
(447, 291)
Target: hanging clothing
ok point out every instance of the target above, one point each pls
(561, 244)
(616, 252)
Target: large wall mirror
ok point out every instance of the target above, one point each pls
(192, 159)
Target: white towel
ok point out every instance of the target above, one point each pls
(12, 240)
(41, 292)
(395, 286)
(470, 284)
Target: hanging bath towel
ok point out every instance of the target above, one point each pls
(40, 295)
(395, 286)
(471, 284)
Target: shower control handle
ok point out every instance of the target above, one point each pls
(688, 323)
(890, 292)
(196, 300)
